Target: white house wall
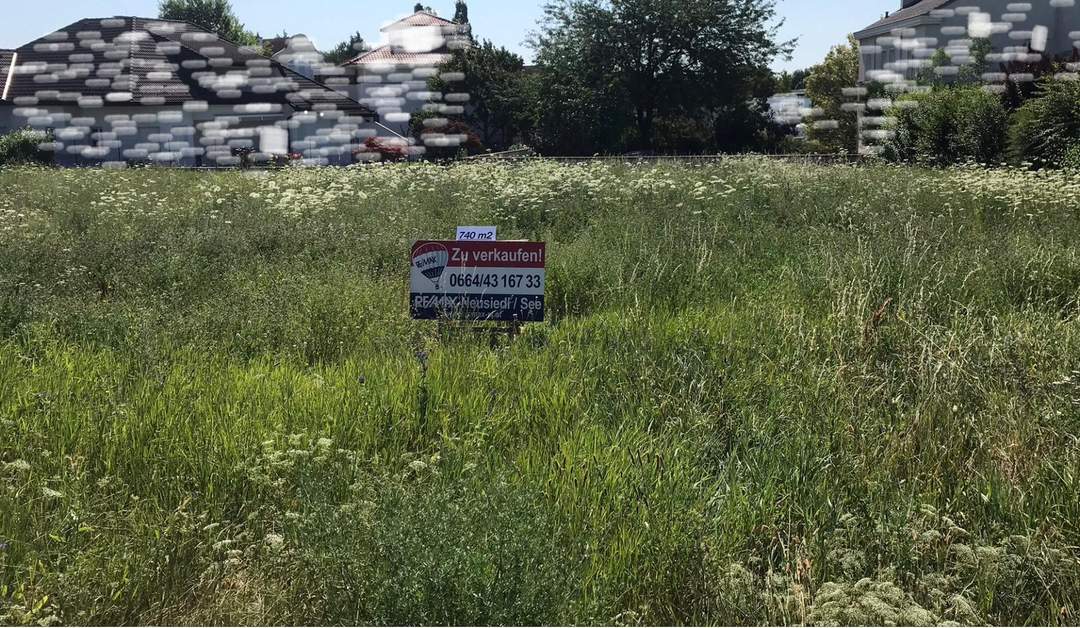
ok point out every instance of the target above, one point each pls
(907, 44)
(7, 119)
(178, 137)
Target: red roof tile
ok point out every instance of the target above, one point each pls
(387, 55)
(420, 18)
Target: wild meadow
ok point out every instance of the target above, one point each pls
(765, 393)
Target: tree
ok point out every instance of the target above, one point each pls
(576, 112)
(1046, 129)
(496, 109)
(214, 15)
(837, 129)
(748, 124)
(791, 81)
(652, 58)
(461, 13)
(972, 74)
(461, 17)
(949, 125)
(346, 50)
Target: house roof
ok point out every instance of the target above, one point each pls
(420, 18)
(6, 59)
(277, 44)
(293, 45)
(388, 55)
(916, 10)
(127, 61)
(298, 49)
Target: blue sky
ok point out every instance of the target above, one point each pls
(819, 24)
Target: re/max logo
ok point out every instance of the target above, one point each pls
(427, 260)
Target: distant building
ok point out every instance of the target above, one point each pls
(392, 79)
(900, 44)
(296, 52)
(125, 90)
(7, 62)
(791, 108)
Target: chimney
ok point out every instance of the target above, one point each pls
(909, 3)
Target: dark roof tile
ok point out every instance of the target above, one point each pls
(6, 57)
(387, 55)
(131, 60)
(420, 18)
(921, 8)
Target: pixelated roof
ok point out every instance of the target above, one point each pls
(131, 60)
(420, 18)
(387, 54)
(916, 10)
(6, 57)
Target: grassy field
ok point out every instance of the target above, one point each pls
(766, 393)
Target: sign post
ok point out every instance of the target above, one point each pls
(478, 281)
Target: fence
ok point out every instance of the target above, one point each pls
(816, 158)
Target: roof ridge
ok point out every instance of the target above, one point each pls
(919, 9)
(414, 14)
(285, 69)
(304, 93)
(366, 53)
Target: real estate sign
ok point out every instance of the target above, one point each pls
(476, 233)
(478, 281)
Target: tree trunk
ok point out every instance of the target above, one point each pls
(645, 129)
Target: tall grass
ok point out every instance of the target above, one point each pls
(766, 393)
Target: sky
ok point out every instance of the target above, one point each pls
(818, 24)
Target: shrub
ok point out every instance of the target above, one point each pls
(681, 135)
(470, 143)
(21, 147)
(948, 126)
(1046, 129)
(386, 149)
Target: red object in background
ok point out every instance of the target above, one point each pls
(386, 149)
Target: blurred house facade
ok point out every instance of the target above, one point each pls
(124, 90)
(392, 78)
(901, 44)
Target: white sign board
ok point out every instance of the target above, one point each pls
(474, 234)
(487, 281)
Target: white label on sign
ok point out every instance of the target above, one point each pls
(484, 234)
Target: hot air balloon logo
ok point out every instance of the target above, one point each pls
(431, 259)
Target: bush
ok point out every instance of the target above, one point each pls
(1046, 129)
(386, 149)
(948, 126)
(21, 147)
(681, 135)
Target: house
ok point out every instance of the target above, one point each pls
(122, 90)
(790, 108)
(392, 79)
(7, 61)
(296, 52)
(902, 43)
